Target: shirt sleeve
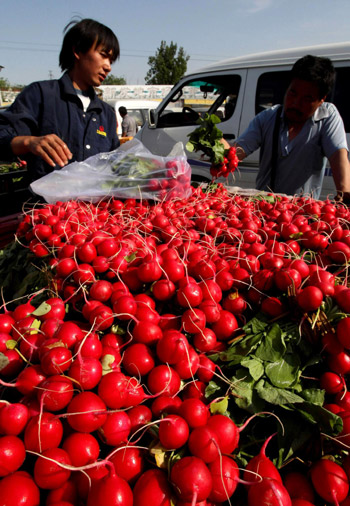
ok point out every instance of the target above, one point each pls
(333, 132)
(21, 118)
(253, 137)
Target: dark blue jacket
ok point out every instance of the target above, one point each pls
(53, 107)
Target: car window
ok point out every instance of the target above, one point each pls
(200, 96)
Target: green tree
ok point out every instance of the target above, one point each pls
(111, 79)
(167, 67)
(4, 84)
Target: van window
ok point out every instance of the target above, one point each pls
(271, 88)
(340, 95)
(217, 94)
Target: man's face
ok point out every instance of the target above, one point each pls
(93, 66)
(301, 100)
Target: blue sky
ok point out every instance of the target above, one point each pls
(208, 30)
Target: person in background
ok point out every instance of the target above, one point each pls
(296, 139)
(129, 127)
(54, 122)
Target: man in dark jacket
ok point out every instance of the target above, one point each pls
(52, 123)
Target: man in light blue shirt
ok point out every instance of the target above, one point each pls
(297, 139)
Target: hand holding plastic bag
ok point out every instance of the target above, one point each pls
(131, 171)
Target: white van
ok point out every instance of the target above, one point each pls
(138, 109)
(243, 86)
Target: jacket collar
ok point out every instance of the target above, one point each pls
(69, 90)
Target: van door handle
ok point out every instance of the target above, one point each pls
(229, 136)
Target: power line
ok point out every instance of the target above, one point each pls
(125, 54)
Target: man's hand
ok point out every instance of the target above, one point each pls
(50, 148)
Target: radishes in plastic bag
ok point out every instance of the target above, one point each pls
(130, 171)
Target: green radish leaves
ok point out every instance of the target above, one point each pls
(207, 138)
(273, 369)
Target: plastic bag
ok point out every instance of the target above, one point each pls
(130, 171)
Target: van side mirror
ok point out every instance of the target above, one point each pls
(152, 117)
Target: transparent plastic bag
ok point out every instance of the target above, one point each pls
(130, 171)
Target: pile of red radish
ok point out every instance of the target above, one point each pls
(104, 371)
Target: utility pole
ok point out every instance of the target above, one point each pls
(1, 67)
(50, 74)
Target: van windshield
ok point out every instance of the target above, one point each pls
(214, 95)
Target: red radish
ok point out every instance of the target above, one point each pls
(138, 359)
(206, 369)
(261, 466)
(13, 419)
(339, 252)
(49, 470)
(12, 454)
(191, 479)
(56, 360)
(172, 347)
(128, 463)
(163, 379)
(195, 412)
(299, 486)
(89, 448)
(268, 492)
(339, 362)
(55, 392)
(125, 307)
(165, 405)
(211, 309)
(190, 295)
(188, 365)
(193, 320)
(147, 333)
(225, 327)
(205, 340)
(204, 443)
(163, 289)
(19, 488)
(310, 298)
(56, 309)
(226, 432)
(152, 487)
(225, 477)
(115, 430)
(173, 432)
(101, 317)
(6, 323)
(66, 495)
(139, 416)
(331, 382)
(330, 481)
(43, 431)
(86, 412)
(87, 371)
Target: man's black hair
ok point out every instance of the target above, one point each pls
(315, 69)
(122, 110)
(80, 36)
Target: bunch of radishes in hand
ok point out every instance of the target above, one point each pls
(104, 383)
(227, 166)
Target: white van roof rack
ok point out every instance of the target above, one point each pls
(335, 51)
